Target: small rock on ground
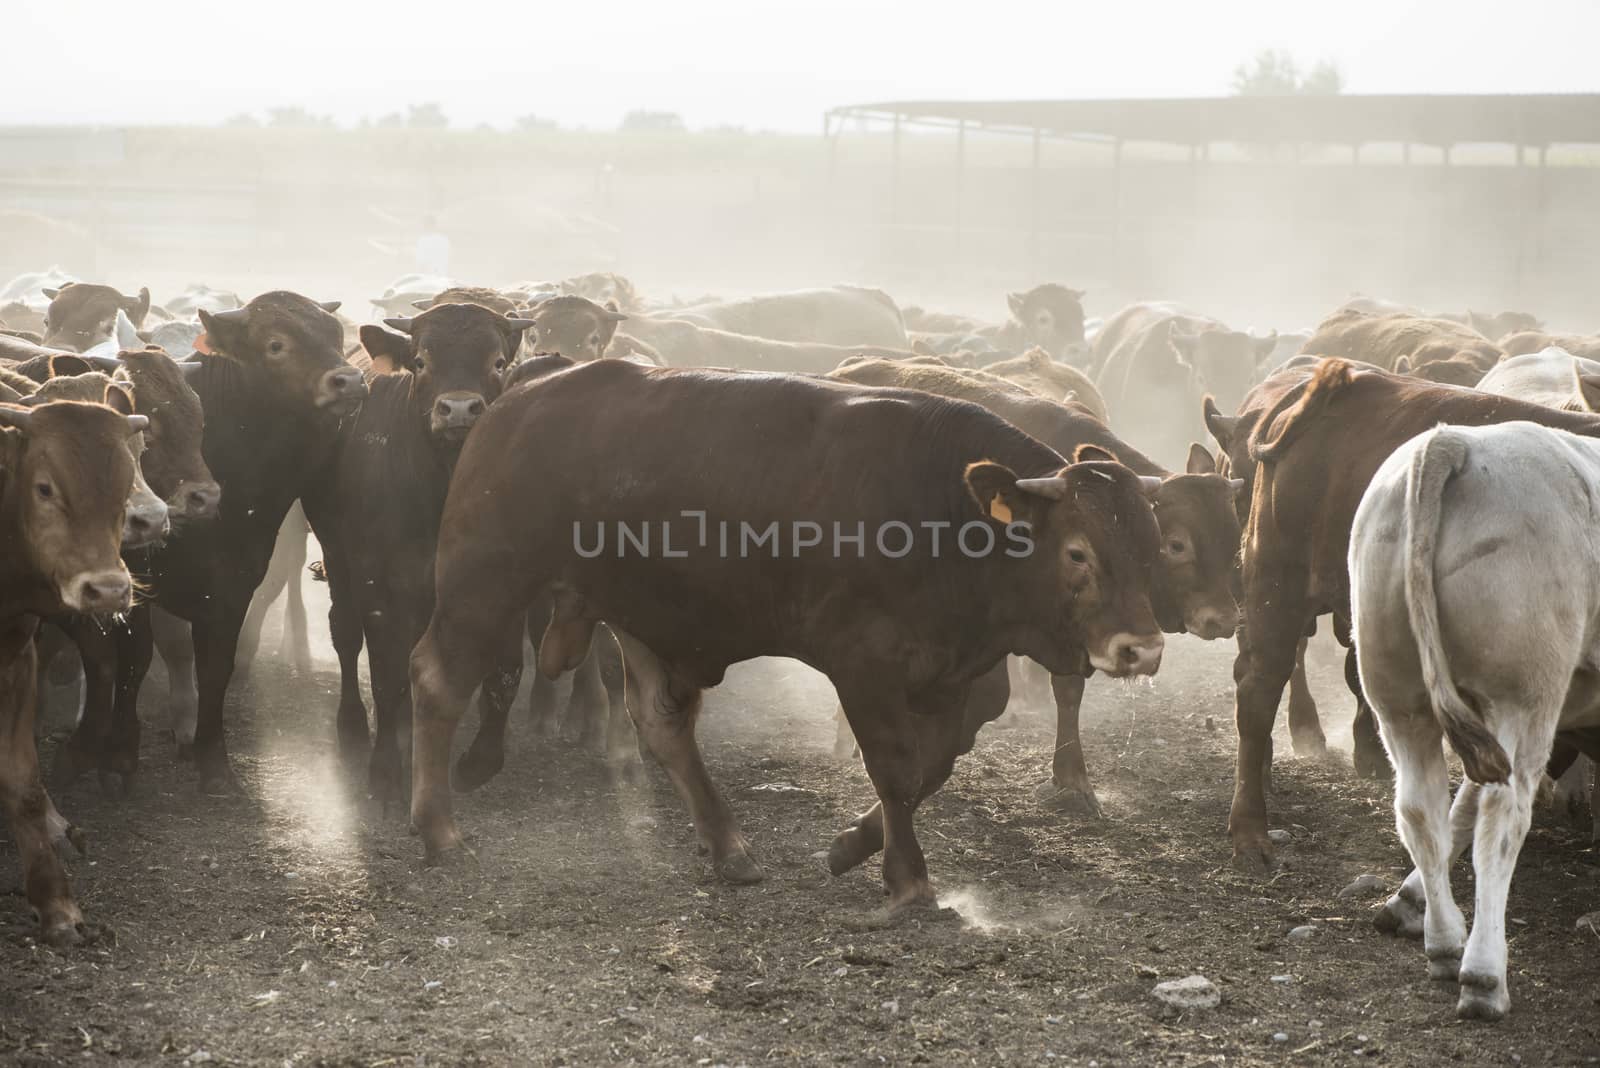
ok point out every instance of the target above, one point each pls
(1188, 994)
(1279, 837)
(1363, 884)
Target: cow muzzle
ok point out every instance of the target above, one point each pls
(145, 524)
(1125, 654)
(195, 501)
(99, 593)
(341, 390)
(1210, 624)
(454, 414)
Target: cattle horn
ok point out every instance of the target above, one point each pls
(32, 400)
(136, 423)
(107, 364)
(233, 316)
(616, 317)
(1236, 483)
(52, 293)
(330, 306)
(520, 324)
(1149, 485)
(189, 368)
(1054, 487)
(402, 324)
(16, 417)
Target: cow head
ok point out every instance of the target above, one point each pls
(66, 474)
(1051, 316)
(574, 327)
(1458, 370)
(1200, 533)
(604, 288)
(1223, 362)
(82, 316)
(457, 353)
(1088, 579)
(145, 521)
(1498, 327)
(295, 344)
(172, 463)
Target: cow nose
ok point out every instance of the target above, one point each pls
(340, 386)
(100, 592)
(1209, 624)
(457, 411)
(201, 501)
(142, 526)
(1130, 654)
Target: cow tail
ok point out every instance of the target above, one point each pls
(1295, 411)
(1443, 455)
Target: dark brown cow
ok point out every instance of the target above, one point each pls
(1529, 341)
(81, 316)
(1314, 442)
(1194, 589)
(273, 392)
(574, 327)
(380, 513)
(64, 481)
(901, 633)
(1383, 340)
(1155, 362)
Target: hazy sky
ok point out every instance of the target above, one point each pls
(753, 63)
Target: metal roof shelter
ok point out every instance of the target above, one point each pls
(1529, 120)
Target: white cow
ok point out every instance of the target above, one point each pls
(1475, 584)
(1552, 377)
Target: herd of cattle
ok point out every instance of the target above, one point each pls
(484, 469)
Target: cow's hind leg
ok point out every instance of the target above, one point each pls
(1504, 812)
(664, 709)
(348, 632)
(1305, 727)
(1069, 788)
(174, 640)
(1421, 805)
(486, 755)
(133, 649)
(1368, 756)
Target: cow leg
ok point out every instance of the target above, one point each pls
(1069, 788)
(486, 755)
(347, 630)
(1305, 727)
(1504, 813)
(86, 749)
(907, 761)
(174, 640)
(664, 709)
(1369, 758)
(585, 719)
(22, 794)
(53, 648)
(215, 643)
(295, 642)
(1262, 669)
(1422, 807)
(387, 657)
(133, 650)
(844, 742)
(542, 711)
(624, 747)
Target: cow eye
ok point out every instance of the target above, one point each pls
(1078, 556)
(275, 347)
(45, 491)
(1176, 547)
(500, 364)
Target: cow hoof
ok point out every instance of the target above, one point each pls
(476, 767)
(66, 932)
(1073, 800)
(1444, 966)
(1400, 918)
(739, 868)
(185, 752)
(1372, 765)
(1483, 997)
(1254, 858)
(69, 766)
(218, 779)
(848, 850)
(71, 844)
(116, 785)
(1310, 746)
(459, 855)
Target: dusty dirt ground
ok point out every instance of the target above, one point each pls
(297, 926)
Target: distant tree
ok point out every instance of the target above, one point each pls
(1274, 72)
(298, 117)
(244, 118)
(530, 123)
(427, 116)
(392, 121)
(642, 121)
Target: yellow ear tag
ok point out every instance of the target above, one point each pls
(998, 509)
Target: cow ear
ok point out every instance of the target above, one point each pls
(1201, 462)
(66, 365)
(1015, 302)
(225, 331)
(389, 351)
(994, 487)
(1265, 347)
(1588, 387)
(138, 307)
(52, 294)
(613, 314)
(1078, 294)
(330, 306)
(1402, 366)
(118, 399)
(1223, 427)
(1092, 453)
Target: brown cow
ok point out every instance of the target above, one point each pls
(574, 327)
(1383, 340)
(64, 481)
(1527, 341)
(1194, 587)
(1035, 370)
(1155, 362)
(81, 316)
(902, 630)
(1314, 442)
